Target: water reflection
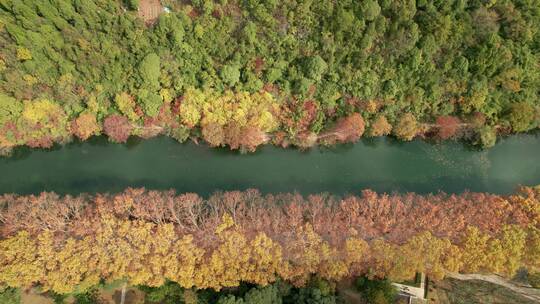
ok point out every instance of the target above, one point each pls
(381, 164)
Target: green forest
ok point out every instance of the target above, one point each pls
(318, 291)
(245, 73)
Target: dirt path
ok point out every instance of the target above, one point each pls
(525, 291)
(347, 292)
(33, 298)
(350, 296)
(149, 10)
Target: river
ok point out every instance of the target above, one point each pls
(381, 164)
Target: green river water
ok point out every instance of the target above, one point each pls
(380, 164)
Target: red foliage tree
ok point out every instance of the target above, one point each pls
(309, 113)
(117, 127)
(40, 142)
(447, 126)
(253, 137)
(395, 217)
(347, 129)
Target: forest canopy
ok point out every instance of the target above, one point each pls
(66, 66)
(148, 238)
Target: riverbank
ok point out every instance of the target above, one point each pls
(235, 73)
(230, 122)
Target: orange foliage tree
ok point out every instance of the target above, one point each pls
(346, 129)
(148, 237)
(85, 126)
(447, 126)
(380, 126)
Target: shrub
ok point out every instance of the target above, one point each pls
(486, 137)
(376, 291)
(10, 296)
(521, 116)
(534, 279)
(168, 293)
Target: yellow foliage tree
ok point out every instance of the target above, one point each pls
(407, 127)
(356, 252)
(241, 109)
(140, 252)
(19, 263)
(532, 248)
(474, 249)
(85, 126)
(41, 111)
(23, 54)
(265, 260)
(513, 240)
(48, 115)
(184, 268)
(126, 105)
(434, 255)
(380, 126)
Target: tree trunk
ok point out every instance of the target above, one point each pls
(123, 295)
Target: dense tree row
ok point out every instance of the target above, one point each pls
(395, 217)
(407, 68)
(317, 291)
(148, 237)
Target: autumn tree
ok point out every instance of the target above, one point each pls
(214, 134)
(117, 127)
(23, 54)
(512, 240)
(447, 126)
(532, 249)
(247, 138)
(152, 237)
(406, 127)
(350, 128)
(44, 122)
(85, 126)
(380, 127)
(475, 245)
(347, 129)
(126, 105)
(240, 120)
